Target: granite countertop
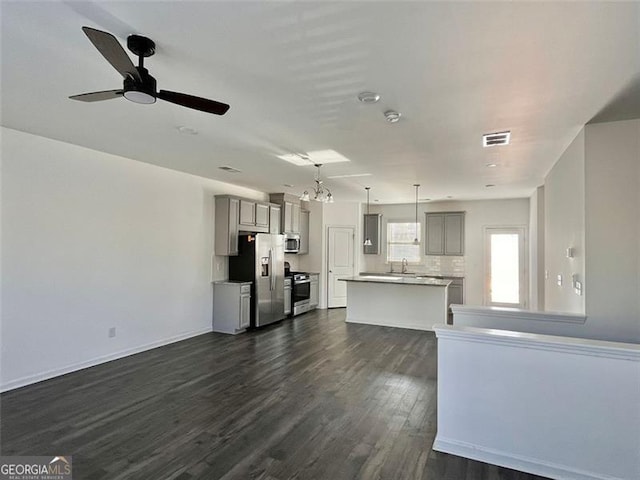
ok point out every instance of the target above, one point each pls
(431, 275)
(429, 282)
(231, 282)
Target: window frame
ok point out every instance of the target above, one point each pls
(388, 242)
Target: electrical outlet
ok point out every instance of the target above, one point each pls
(546, 274)
(559, 280)
(112, 332)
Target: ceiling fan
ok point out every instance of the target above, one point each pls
(139, 86)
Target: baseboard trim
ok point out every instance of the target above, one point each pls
(56, 372)
(516, 462)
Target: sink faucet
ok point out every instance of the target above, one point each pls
(404, 265)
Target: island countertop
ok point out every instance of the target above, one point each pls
(430, 282)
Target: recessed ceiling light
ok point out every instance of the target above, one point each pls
(489, 185)
(310, 159)
(392, 116)
(229, 169)
(496, 139)
(368, 97)
(491, 165)
(187, 130)
(351, 175)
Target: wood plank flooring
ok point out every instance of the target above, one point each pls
(309, 398)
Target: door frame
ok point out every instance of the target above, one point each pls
(355, 258)
(524, 270)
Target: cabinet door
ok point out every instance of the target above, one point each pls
(371, 230)
(262, 215)
(274, 220)
(435, 234)
(245, 311)
(233, 226)
(287, 216)
(295, 218)
(454, 234)
(287, 300)
(455, 294)
(314, 293)
(247, 213)
(304, 232)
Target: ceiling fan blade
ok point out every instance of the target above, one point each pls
(197, 103)
(111, 49)
(98, 96)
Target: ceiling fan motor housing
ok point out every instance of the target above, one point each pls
(143, 91)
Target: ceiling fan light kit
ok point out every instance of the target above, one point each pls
(138, 85)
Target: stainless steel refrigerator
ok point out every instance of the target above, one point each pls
(260, 260)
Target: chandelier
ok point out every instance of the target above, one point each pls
(320, 192)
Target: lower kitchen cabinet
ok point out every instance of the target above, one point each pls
(314, 291)
(231, 307)
(287, 296)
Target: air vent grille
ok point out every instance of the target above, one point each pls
(495, 139)
(229, 169)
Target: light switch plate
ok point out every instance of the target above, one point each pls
(559, 280)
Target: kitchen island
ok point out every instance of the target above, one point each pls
(404, 302)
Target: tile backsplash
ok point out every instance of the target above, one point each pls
(431, 264)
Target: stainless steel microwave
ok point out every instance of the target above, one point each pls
(291, 242)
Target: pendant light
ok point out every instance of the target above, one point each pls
(367, 240)
(320, 192)
(415, 240)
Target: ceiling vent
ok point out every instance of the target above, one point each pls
(495, 139)
(229, 169)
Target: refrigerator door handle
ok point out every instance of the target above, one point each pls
(270, 269)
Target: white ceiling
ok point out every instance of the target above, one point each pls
(291, 72)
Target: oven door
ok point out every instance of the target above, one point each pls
(301, 291)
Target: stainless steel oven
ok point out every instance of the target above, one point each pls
(301, 293)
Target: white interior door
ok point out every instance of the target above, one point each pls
(505, 267)
(340, 264)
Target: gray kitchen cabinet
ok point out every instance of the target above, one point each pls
(444, 233)
(247, 213)
(262, 215)
(314, 290)
(295, 218)
(226, 225)
(456, 292)
(274, 219)
(304, 232)
(231, 307)
(372, 230)
(454, 234)
(287, 296)
(290, 215)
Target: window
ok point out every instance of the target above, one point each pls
(505, 267)
(400, 237)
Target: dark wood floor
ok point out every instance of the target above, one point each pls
(310, 398)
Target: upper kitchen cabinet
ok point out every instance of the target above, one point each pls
(227, 211)
(254, 216)
(290, 214)
(274, 218)
(372, 231)
(304, 232)
(445, 233)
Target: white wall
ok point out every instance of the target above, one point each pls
(536, 249)
(557, 407)
(479, 214)
(92, 241)
(564, 203)
(613, 230)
